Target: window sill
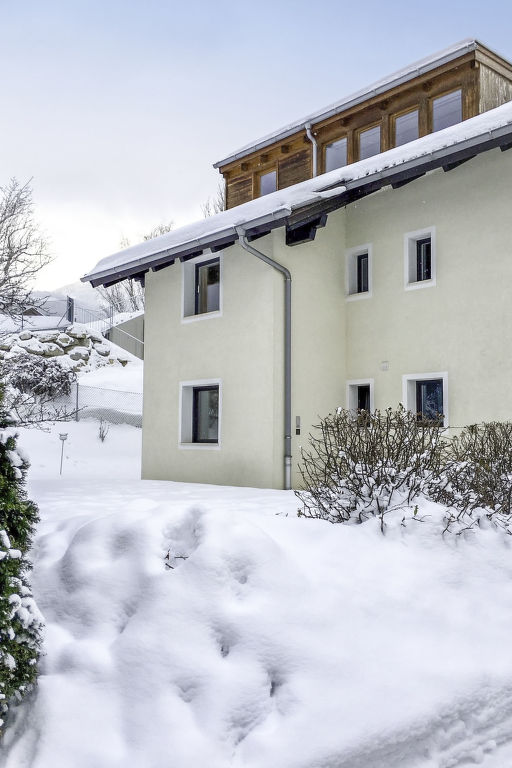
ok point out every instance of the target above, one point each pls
(201, 316)
(200, 446)
(420, 284)
(358, 296)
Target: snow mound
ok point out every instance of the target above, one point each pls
(209, 626)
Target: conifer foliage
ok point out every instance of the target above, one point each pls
(20, 620)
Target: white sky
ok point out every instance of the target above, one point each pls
(117, 110)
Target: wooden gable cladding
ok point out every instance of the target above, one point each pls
(238, 191)
(484, 79)
(293, 169)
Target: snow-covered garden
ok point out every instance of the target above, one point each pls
(192, 625)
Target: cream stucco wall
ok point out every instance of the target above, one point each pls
(461, 326)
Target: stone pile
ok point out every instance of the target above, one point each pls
(78, 347)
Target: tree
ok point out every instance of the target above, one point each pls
(23, 249)
(20, 621)
(216, 203)
(128, 295)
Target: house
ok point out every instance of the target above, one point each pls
(384, 280)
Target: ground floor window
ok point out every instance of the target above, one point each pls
(205, 414)
(360, 395)
(200, 413)
(427, 395)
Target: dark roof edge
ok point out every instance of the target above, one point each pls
(349, 190)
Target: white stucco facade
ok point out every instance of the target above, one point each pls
(457, 325)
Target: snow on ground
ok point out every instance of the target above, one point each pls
(127, 379)
(271, 642)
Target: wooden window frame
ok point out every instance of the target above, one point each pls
(327, 142)
(402, 113)
(357, 137)
(434, 97)
(262, 172)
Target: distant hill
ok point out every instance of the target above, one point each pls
(84, 293)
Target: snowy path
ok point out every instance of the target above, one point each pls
(272, 642)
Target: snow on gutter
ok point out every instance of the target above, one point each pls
(381, 86)
(334, 189)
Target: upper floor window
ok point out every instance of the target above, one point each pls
(447, 110)
(207, 286)
(406, 128)
(420, 258)
(359, 272)
(202, 292)
(336, 155)
(268, 183)
(369, 142)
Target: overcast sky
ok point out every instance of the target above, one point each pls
(117, 109)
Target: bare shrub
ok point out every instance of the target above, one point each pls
(362, 465)
(479, 477)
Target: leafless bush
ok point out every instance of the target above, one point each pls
(366, 464)
(479, 477)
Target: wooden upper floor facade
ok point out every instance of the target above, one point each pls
(445, 89)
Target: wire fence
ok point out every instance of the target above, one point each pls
(112, 405)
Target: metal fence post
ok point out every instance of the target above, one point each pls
(76, 412)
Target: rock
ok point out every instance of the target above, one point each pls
(52, 350)
(32, 345)
(25, 335)
(47, 336)
(102, 349)
(64, 340)
(77, 331)
(79, 353)
(96, 337)
(6, 343)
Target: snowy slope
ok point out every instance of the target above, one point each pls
(272, 640)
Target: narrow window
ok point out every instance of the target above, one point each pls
(363, 397)
(205, 414)
(207, 286)
(429, 399)
(447, 110)
(268, 183)
(423, 259)
(369, 142)
(335, 155)
(362, 273)
(406, 128)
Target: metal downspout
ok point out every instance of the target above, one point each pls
(287, 351)
(314, 142)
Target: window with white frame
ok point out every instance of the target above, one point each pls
(426, 395)
(359, 272)
(360, 395)
(420, 258)
(202, 286)
(200, 413)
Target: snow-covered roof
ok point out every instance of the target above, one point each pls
(462, 141)
(416, 69)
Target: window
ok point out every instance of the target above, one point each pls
(406, 128)
(335, 155)
(200, 413)
(205, 415)
(419, 259)
(202, 287)
(369, 142)
(207, 286)
(268, 183)
(359, 272)
(447, 110)
(427, 395)
(362, 272)
(360, 395)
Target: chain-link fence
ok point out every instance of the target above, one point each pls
(112, 405)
